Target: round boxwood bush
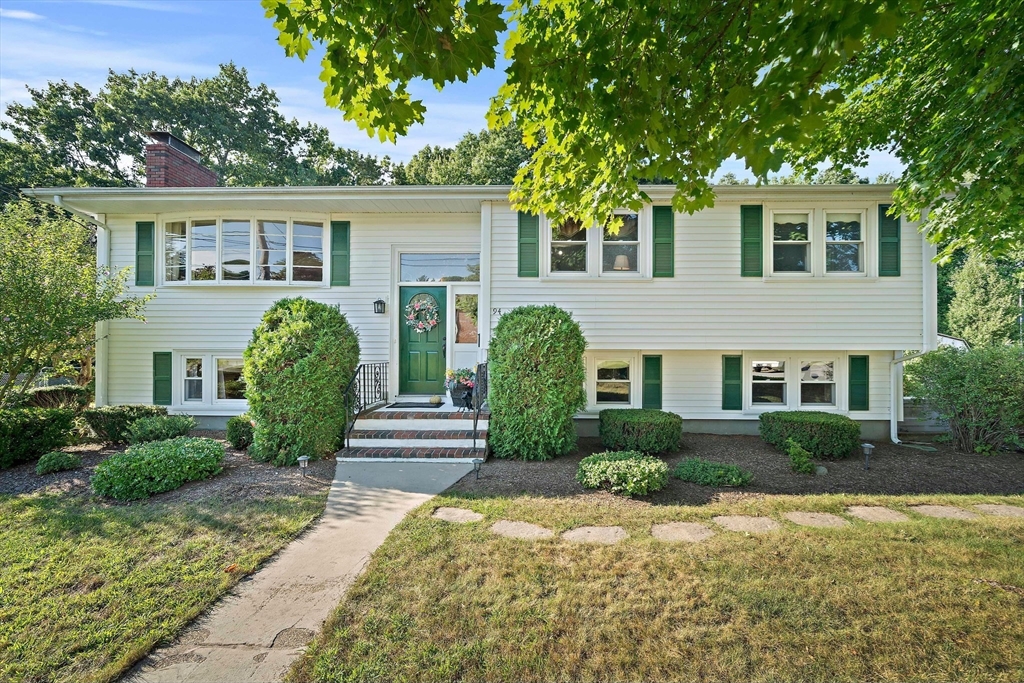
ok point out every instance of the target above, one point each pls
(57, 461)
(160, 428)
(628, 472)
(824, 435)
(644, 430)
(301, 356)
(239, 431)
(535, 363)
(157, 466)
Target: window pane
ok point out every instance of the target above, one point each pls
(842, 227)
(204, 250)
(817, 371)
(790, 227)
(271, 250)
(193, 379)
(619, 258)
(820, 394)
(466, 316)
(766, 392)
(174, 252)
(613, 369)
(230, 384)
(613, 392)
(440, 267)
(843, 258)
(235, 235)
(194, 367)
(628, 232)
(570, 231)
(569, 258)
(769, 370)
(790, 258)
(307, 251)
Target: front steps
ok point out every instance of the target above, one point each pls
(442, 434)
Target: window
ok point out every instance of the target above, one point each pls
(307, 252)
(620, 250)
(271, 251)
(844, 243)
(204, 250)
(613, 381)
(768, 382)
(235, 254)
(440, 267)
(791, 238)
(175, 252)
(466, 317)
(193, 379)
(230, 384)
(817, 382)
(569, 247)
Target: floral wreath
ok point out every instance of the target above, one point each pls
(422, 316)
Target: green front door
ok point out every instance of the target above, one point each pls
(421, 355)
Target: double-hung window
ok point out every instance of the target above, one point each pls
(844, 242)
(210, 378)
(791, 242)
(768, 382)
(620, 249)
(193, 389)
(817, 382)
(569, 247)
(614, 382)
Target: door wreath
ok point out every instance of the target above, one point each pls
(422, 315)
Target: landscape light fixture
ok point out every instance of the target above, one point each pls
(867, 454)
(303, 463)
(476, 466)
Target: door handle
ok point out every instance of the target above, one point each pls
(444, 347)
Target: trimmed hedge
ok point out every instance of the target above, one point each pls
(61, 396)
(535, 364)
(824, 435)
(629, 472)
(111, 423)
(707, 473)
(58, 461)
(301, 356)
(644, 430)
(160, 428)
(157, 466)
(27, 433)
(239, 431)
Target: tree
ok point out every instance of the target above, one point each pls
(984, 306)
(485, 158)
(51, 297)
(731, 179)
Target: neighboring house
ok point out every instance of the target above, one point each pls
(780, 297)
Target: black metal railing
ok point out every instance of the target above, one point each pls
(367, 389)
(479, 396)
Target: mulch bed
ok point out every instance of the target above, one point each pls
(242, 478)
(894, 470)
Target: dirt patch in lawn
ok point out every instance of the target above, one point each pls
(894, 470)
(242, 479)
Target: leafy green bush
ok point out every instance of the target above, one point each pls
(157, 466)
(111, 423)
(799, 457)
(644, 430)
(160, 428)
(62, 396)
(711, 473)
(824, 435)
(301, 356)
(26, 433)
(980, 392)
(535, 363)
(628, 472)
(58, 461)
(239, 431)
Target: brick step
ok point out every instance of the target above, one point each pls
(448, 454)
(419, 425)
(382, 414)
(417, 434)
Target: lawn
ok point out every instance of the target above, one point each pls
(924, 600)
(87, 588)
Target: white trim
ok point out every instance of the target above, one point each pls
(930, 294)
(484, 312)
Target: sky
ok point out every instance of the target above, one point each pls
(80, 40)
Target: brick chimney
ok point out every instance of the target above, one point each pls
(171, 162)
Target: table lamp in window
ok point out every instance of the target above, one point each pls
(621, 262)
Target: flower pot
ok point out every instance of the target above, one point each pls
(462, 396)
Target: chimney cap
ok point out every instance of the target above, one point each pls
(177, 143)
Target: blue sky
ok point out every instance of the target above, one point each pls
(52, 40)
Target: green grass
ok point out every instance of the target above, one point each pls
(87, 589)
(896, 602)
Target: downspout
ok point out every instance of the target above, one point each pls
(894, 392)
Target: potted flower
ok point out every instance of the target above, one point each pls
(459, 384)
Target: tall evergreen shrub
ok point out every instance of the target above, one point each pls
(536, 372)
(296, 366)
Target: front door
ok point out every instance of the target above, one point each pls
(421, 340)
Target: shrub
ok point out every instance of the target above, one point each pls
(628, 472)
(58, 461)
(979, 392)
(799, 457)
(160, 428)
(647, 431)
(239, 431)
(824, 435)
(26, 433)
(111, 423)
(62, 396)
(157, 466)
(711, 473)
(535, 363)
(301, 356)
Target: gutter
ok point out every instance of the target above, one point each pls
(894, 392)
(58, 200)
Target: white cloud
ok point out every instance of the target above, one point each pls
(24, 15)
(150, 5)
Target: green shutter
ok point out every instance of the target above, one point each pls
(341, 256)
(888, 243)
(529, 245)
(858, 383)
(652, 382)
(144, 252)
(732, 382)
(751, 231)
(162, 378)
(664, 242)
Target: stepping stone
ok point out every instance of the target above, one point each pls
(690, 532)
(943, 512)
(457, 515)
(875, 513)
(607, 535)
(821, 520)
(752, 525)
(524, 530)
(1001, 510)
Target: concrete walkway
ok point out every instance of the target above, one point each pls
(256, 631)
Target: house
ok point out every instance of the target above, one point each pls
(780, 297)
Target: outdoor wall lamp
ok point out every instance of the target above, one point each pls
(378, 306)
